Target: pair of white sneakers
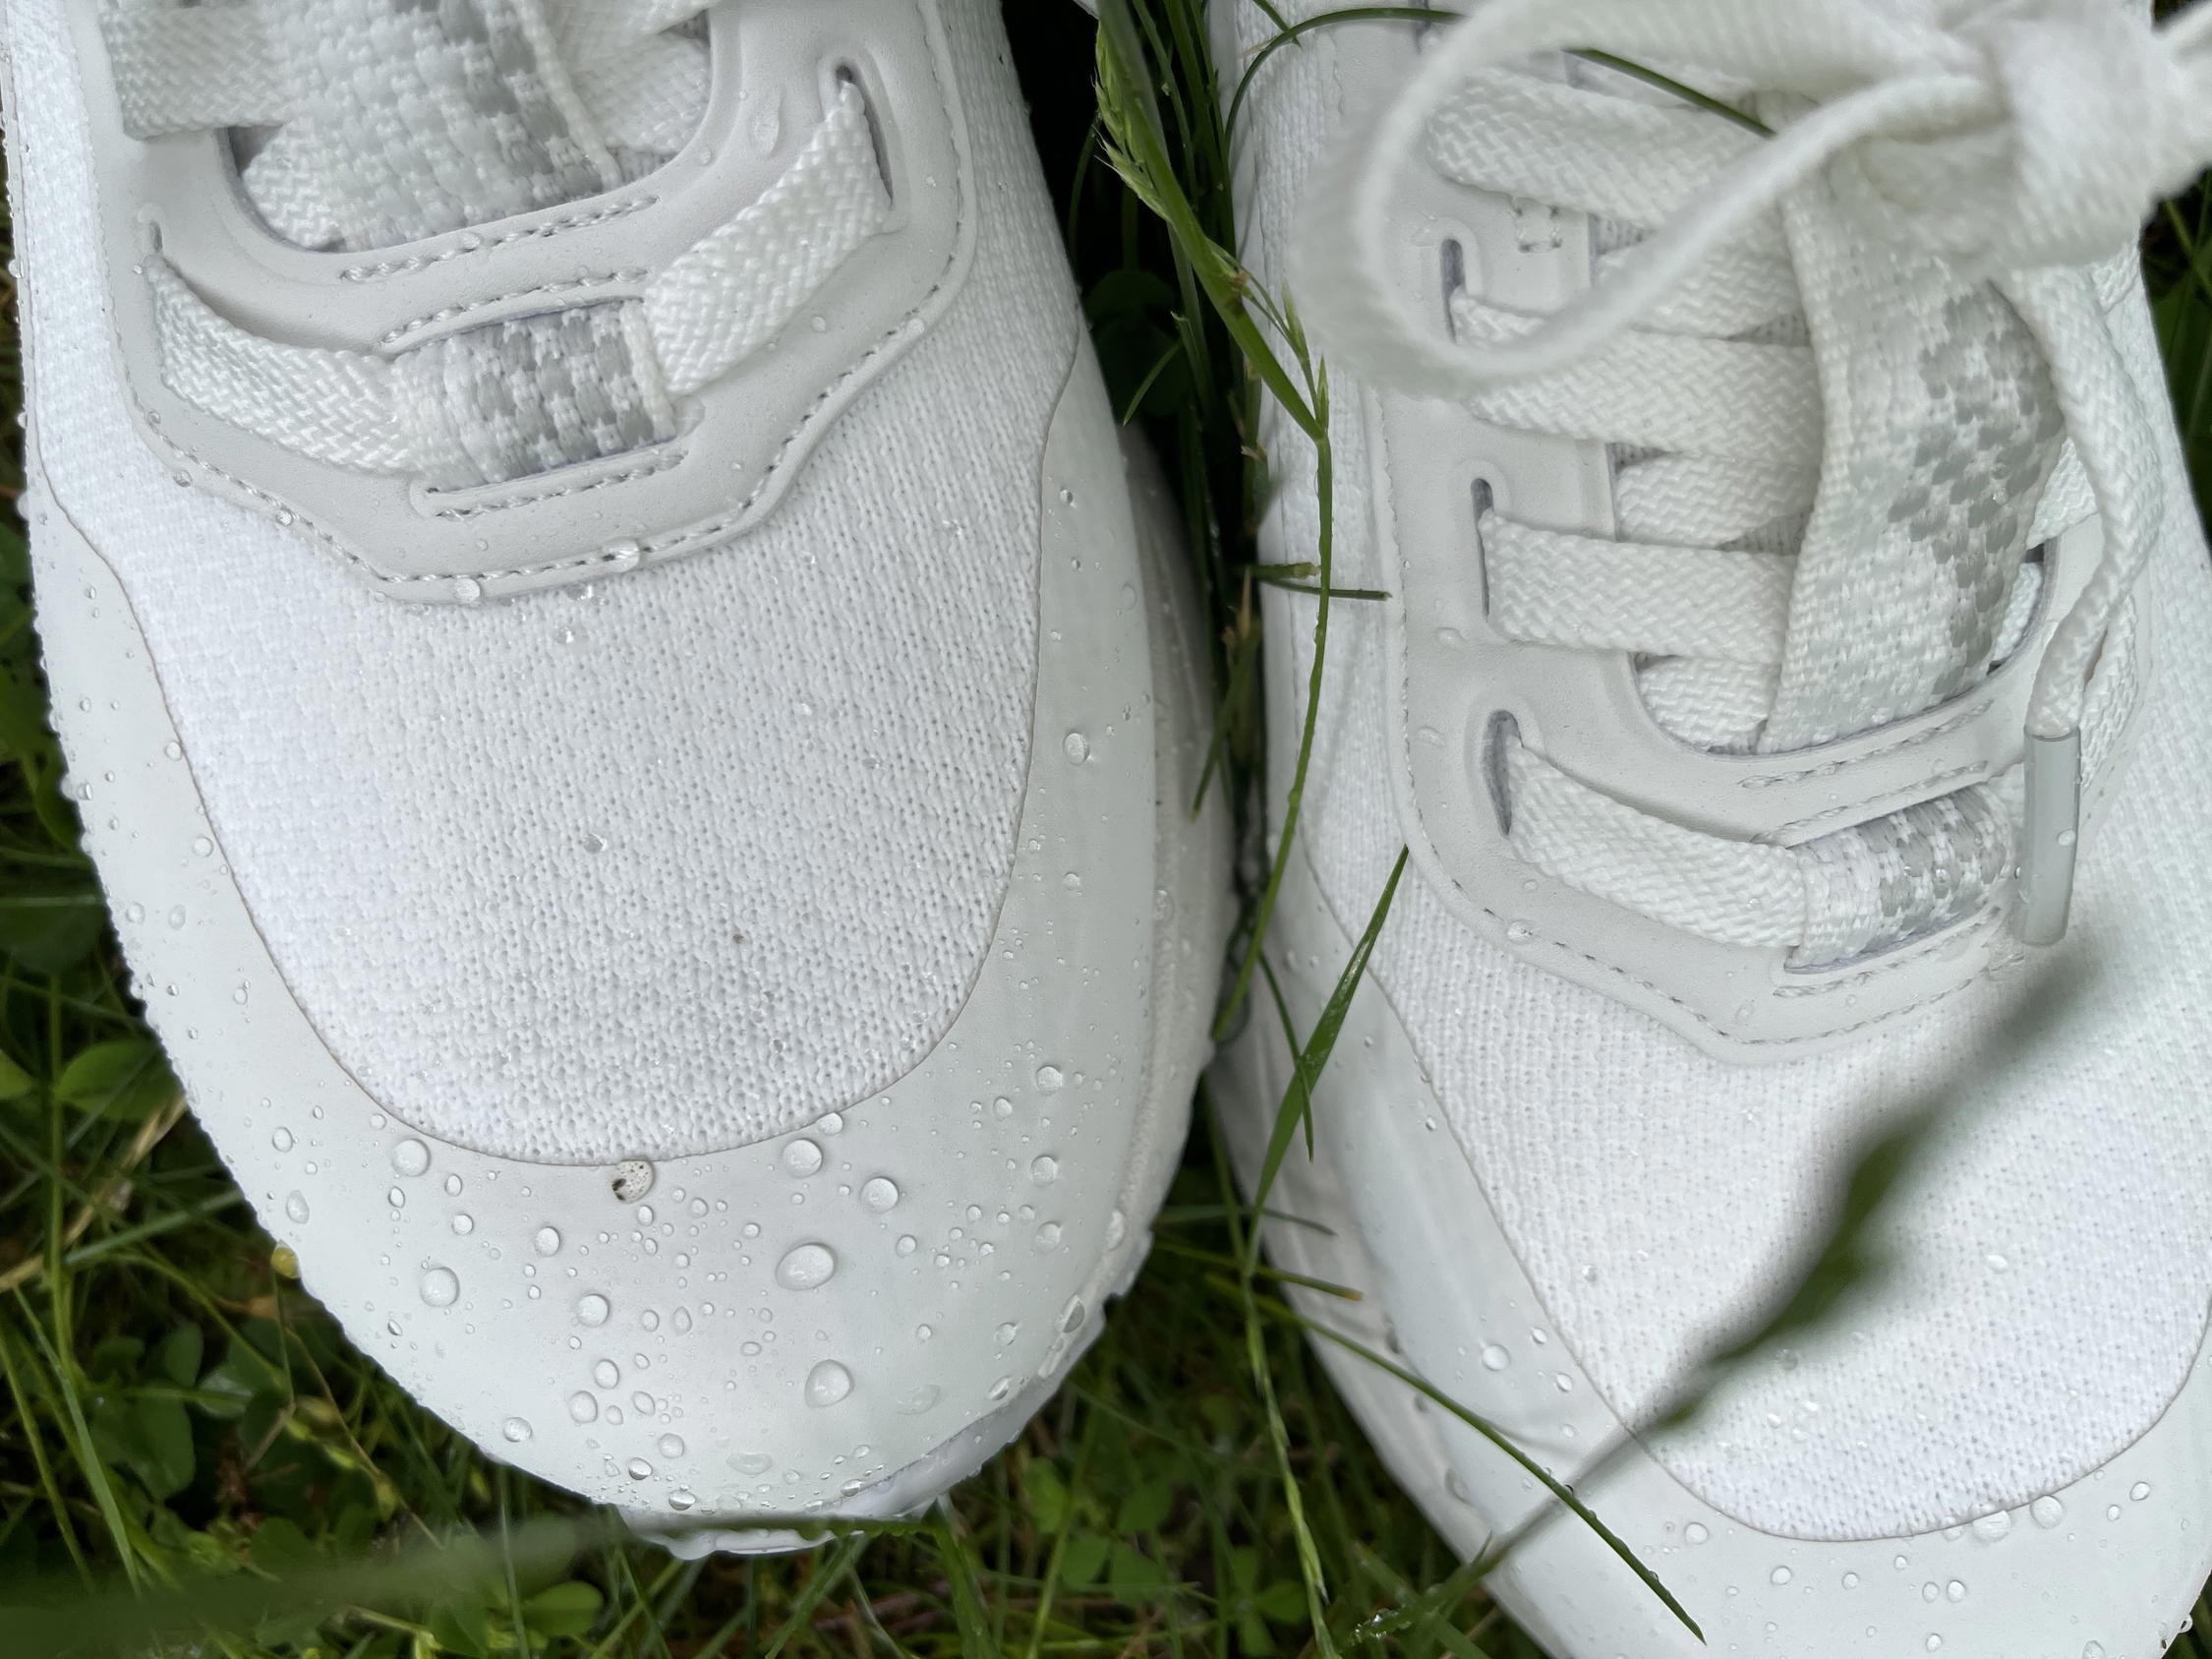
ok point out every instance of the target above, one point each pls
(638, 725)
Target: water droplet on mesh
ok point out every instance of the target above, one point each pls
(583, 1408)
(879, 1194)
(828, 1383)
(547, 1242)
(441, 1287)
(593, 1309)
(1050, 1077)
(1076, 748)
(515, 1430)
(594, 842)
(409, 1157)
(806, 1267)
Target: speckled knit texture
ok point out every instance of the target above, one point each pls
(669, 865)
(2056, 1256)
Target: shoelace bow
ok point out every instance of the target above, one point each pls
(408, 133)
(2014, 143)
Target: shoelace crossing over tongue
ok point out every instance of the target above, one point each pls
(1957, 143)
(376, 122)
(371, 123)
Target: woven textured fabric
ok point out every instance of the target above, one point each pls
(2056, 1256)
(671, 864)
(533, 394)
(420, 117)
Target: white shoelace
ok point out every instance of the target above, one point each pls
(426, 128)
(1982, 155)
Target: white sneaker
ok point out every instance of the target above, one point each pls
(594, 607)
(1720, 604)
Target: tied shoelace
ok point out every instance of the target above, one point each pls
(1940, 178)
(367, 124)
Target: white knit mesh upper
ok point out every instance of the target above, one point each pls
(655, 868)
(2057, 1257)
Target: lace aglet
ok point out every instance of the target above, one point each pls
(2051, 838)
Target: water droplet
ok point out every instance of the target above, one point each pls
(633, 1178)
(1048, 1236)
(1076, 748)
(594, 843)
(296, 1207)
(624, 555)
(2139, 1491)
(2047, 1512)
(1997, 1525)
(463, 1225)
(1050, 1079)
(680, 1501)
(583, 1406)
(281, 1139)
(751, 1462)
(515, 1430)
(1044, 1170)
(1071, 1316)
(828, 1383)
(409, 1157)
(638, 1468)
(1780, 1575)
(1008, 1331)
(2095, 1650)
(919, 1401)
(453, 1186)
(806, 1267)
(1002, 1107)
(396, 1199)
(593, 1309)
(879, 1194)
(671, 1446)
(1519, 932)
(1117, 1230)
(831, 1123)
(802, 1158)
(441, 1287)
(1955, 1591)
(1695, 1533)
(607, 1374)
(1496, 1358)
(547, 1242)
(907, 1244)
(468, 590)
(1850, 1580)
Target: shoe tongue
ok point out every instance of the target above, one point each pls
(1942, 430)
(421, 117)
